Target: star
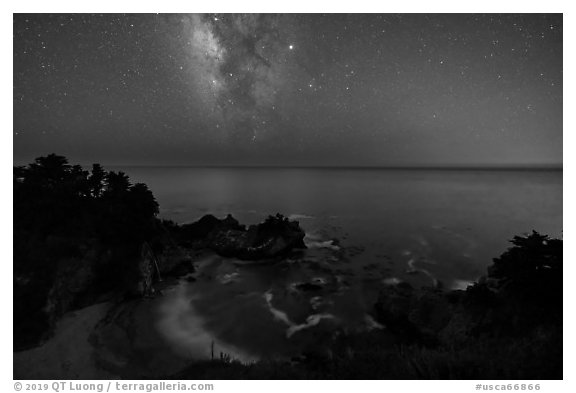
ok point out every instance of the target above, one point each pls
(242, 73)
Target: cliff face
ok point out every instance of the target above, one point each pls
(83, 272)
(76, 280)
(76, 272)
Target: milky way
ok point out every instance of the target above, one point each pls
(222, 89)
(239, 62)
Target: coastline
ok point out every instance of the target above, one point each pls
(165, 337)
(216, 298)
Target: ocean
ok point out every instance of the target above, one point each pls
(365, 228)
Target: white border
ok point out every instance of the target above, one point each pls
(300, 6)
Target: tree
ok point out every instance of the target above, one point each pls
(96, 180)
(50, 169)
(117, 184)
(141, 201)
(60, 212)
(533, 257)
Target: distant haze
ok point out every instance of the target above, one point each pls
(289, 90)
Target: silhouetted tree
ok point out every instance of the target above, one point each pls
(96, 180)
(50, 169)
(142, 201)
(117, 184)
(533, 257)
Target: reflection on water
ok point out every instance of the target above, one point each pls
(365, 229)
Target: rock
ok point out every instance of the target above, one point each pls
(308, 286)
(209, 224)
(229, 243)
(171, 257)
(76, 283)
(415, 316)
(431, 311)
(174, 260)
(182, 268)
(274, 237)
(74, 278)
(147, 268)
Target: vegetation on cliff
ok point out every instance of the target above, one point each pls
(77, 235)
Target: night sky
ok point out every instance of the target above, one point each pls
(345, 90)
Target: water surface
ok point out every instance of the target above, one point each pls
(365, 229)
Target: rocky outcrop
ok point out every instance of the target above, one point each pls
(274, 237)
(200, 233)
(521, 295)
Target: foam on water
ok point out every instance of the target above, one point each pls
(461, 284)
(279, 315)
(312, 240)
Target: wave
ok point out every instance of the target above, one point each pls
(314, 241)
(293, 328)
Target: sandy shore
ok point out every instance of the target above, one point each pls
(67, 355)
(134, 339)
(103, 341)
